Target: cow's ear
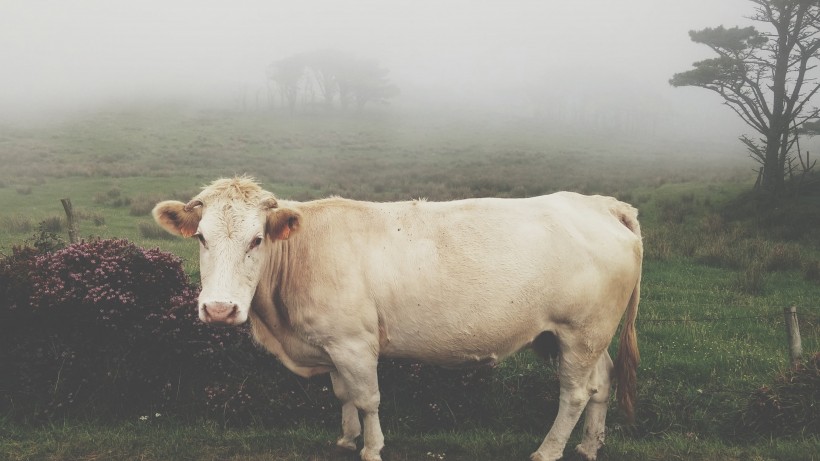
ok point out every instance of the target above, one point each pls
(282, 222)
(177, 217)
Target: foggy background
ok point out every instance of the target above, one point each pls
(597, 59)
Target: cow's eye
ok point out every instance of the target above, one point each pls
(201, 239)
(256, 242)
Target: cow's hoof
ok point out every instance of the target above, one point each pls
(587, 453)
(346, 444)
(371, 455)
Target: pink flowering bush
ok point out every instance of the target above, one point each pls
(107, 275)
(103, 328)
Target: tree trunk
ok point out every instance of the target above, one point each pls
(772, 180)
(773, 167)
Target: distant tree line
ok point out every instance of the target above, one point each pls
(328, 79)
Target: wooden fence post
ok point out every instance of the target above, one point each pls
(793, 335)
(72, 223)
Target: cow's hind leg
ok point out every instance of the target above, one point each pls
(356, 368)
(351, 427)
(595, 413)
(578, 362)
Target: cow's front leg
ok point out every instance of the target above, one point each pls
(351, 427)
(356, 369)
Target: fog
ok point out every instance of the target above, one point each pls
(605, 60)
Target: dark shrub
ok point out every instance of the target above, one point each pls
(103, 328)
(151, 230)
(783, 257)
(790, 405)
(811, 271)
(142, 205)
(54, 224)
(17, 224)
(15, 286)
(108, 330)
(16, 269)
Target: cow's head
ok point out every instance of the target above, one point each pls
(235, 222)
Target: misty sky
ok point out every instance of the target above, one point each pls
(81, 53)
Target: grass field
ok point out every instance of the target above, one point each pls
(208, 442)
(715, 280)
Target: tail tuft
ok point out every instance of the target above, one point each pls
(626, 363)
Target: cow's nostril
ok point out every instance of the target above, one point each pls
(220, 312)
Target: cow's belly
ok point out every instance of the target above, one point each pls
(462, 335)
(454, 349)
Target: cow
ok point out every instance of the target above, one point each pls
(332, 285)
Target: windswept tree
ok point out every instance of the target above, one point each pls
(765, 77)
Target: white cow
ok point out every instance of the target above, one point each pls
(331, 285)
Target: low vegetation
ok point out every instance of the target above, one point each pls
(789, 405)
(17, 224)
(135, 364)
(159, 439)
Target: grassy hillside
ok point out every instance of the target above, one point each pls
(115, 165)
(717, 275)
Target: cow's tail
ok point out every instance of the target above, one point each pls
(626, 363)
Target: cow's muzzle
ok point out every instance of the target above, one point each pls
(220, 312)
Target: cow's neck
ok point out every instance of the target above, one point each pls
(270, 322)
(275, 274)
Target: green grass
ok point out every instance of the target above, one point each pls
(705, 347)
(44, 204)
(710, 328)
(166, 441)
